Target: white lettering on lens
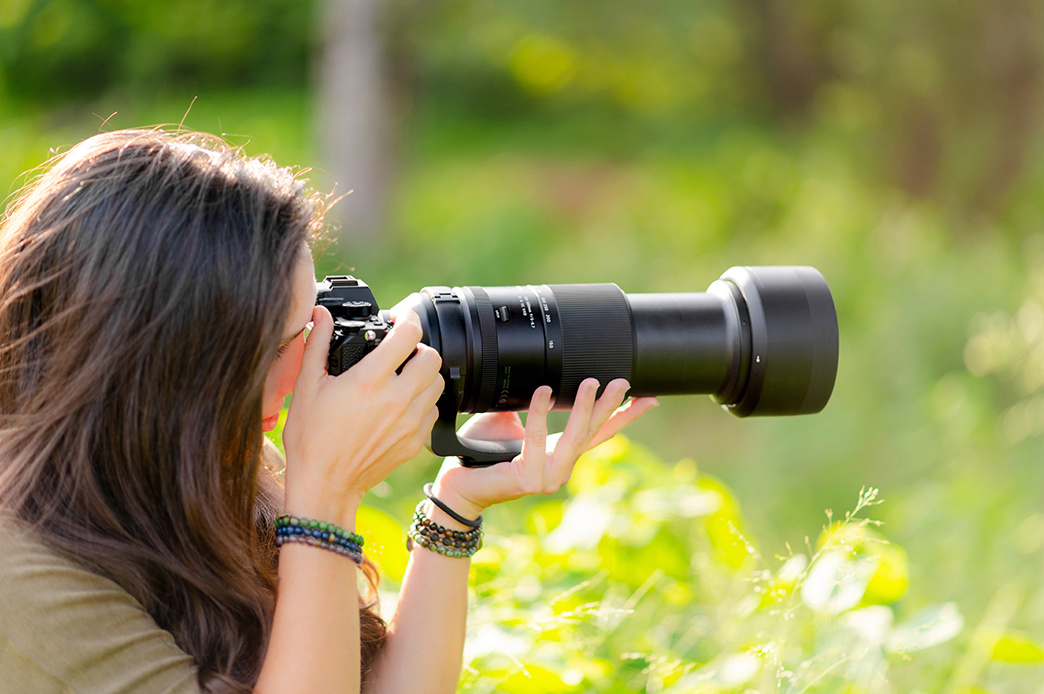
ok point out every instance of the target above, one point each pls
(528, 311)
(505, 387)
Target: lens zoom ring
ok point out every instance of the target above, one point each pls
(488, 338)
(597, 339)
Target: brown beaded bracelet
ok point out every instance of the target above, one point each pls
(449, 543)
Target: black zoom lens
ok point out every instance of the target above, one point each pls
(760, 341)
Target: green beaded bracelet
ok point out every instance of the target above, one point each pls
(319, 534)
(449, 543)
(288, 521)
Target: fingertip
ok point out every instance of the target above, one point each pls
(542, 398)
(322, 321)
(646, 404)
(408, 323)
(406, 316)
(588, 389)
(640, 406)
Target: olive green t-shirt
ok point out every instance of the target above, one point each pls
(66, 629)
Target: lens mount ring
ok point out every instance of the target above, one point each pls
(483, 349)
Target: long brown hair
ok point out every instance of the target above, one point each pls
(144, 283)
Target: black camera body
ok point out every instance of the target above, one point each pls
(760, 341)
(358, 325)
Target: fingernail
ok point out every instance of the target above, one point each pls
(546, 394)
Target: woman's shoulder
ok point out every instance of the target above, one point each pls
(65, 628)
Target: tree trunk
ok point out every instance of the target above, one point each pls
(353, 121)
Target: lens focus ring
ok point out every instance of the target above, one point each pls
(597, 340)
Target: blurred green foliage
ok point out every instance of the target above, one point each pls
(895, 146)
(629, 584)
(52, 51)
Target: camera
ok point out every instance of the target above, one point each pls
(759, 341)
(358, 325)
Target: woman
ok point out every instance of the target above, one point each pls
(155, 294)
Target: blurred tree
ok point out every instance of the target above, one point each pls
(354, 110)
(789, 48)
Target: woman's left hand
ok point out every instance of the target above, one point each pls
(546, 462)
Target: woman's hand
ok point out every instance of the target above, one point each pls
(346, 433)
(546, 462)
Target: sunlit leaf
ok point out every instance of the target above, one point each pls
(584, 522)
(492, 639)
(682, 501)
(836, 582)
(1017, 647)
(855, 539)
(534, 679)
(632, 565)
(873, 624)
(544, 517)
(892, 577)
(929, 627)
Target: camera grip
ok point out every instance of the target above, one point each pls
(472, 452)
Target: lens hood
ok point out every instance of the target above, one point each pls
(793, 339)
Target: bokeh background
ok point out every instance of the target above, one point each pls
(892, 543)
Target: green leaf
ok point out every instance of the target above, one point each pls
(534, 679)
(1017, 647)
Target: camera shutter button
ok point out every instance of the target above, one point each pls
(357, 309)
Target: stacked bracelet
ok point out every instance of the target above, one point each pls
(319, 534)
(449, 543)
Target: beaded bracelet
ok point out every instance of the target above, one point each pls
(449, 543)
(319, 534)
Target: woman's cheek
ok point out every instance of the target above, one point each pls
(295, 357)
(282, 374)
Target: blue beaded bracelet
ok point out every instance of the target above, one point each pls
(319, 534)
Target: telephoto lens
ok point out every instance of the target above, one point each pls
(759, 341)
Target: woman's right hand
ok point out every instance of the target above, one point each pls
(346, 433)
